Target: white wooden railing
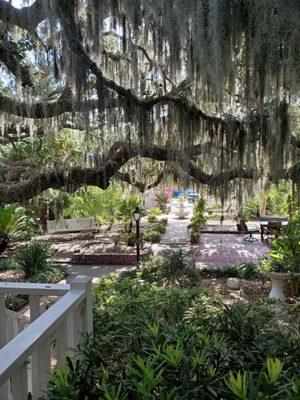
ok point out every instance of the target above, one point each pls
(27, 359)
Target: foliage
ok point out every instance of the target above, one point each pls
(126, 209)
(195, 237)
(15, 302)
(173, 267)
(266, 386)
(285, 254)
(162, 199)
(278, 197)
(215, 216)
(244, 271)
(152, 236)
(160, 228)
(152, 218)
(51, 150)
(101, 204)
(17, 49)
(198, 219)
(242, 216)
(15, 224)
(6, 264)
(130, 239)
(156, 211)
(253, 207)
(53, 273)
(199, 205)
(172, 342)
(32, 258)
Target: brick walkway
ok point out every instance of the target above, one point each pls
(231, 251)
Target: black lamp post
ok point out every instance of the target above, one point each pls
(137, 217)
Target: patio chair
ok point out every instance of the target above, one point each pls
(250, 231)
(272, 229)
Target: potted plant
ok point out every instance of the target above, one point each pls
(241, 218)
(283, 262)
(195, 236)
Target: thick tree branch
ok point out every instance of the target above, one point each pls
(48, 109)
(120, 153)
(295, 142)
(13, 64)
(26, 17)
(141, 186)
(73, 37)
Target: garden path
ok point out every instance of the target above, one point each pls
(176, 235)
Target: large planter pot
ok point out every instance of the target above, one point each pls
(278, 281)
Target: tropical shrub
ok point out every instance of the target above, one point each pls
(278, 198)
(130, 239)
(285, 254)
(126, 210)
(6, 264)
(160, 228)
(162, 199)
(15, 302)
(214, 216)
(246, 271)
(198, 219)
(195, 237)
(52, 274)
(171, 342)
(15, 224)
(173, 267)
(156, 211)
(152, 218)
(103, 205)
(152, 236)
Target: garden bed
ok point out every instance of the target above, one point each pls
(112, 258)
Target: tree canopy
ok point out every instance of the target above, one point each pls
(207, 88)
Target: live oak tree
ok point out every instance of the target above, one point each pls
(206, 88)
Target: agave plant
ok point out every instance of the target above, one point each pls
(14, 223)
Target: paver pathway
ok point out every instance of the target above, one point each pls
(177, 228)
(216, 250)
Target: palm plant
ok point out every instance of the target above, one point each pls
(14, 223)
(126, 210)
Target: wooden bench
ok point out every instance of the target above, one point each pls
(72, 225)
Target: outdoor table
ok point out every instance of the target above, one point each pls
(265, 223)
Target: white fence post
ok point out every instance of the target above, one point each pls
(19, 384)
(44, 365)
(3, 340)
(61, 343)
(85, 283)
(3, 328)
(35, 311)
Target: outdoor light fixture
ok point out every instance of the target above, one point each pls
(137, 214)
(137, 217)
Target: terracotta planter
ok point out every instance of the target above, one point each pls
(278, 281)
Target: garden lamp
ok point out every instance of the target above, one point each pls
(137, 214)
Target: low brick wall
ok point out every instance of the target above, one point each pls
(106, 258)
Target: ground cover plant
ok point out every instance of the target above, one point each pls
(158, 334)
